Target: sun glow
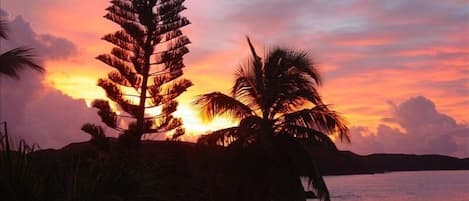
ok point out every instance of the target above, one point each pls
(79, 88)
(73, 80)
(194, 124)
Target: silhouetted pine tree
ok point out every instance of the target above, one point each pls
(148, 60)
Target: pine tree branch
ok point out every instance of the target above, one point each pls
(171, 56)
(165, 28)
(123, 40)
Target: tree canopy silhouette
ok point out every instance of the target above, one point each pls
(148, 60)
(12, 61)
(280, 112)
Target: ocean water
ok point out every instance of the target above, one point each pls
(401, 186)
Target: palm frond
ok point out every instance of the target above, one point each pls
(11, 62)
(216, 103)
(283, 59)
(256, 66)
(3, 29)
(287, 85)
(292, 95)
(245, 89)
(300, 84)
(321, 118)
(256, 63)
(310, 136)
(301, 62)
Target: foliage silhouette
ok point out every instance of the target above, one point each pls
(76, 173)
(148, 61)
(98, 137)
(17, 180)
(12, 61)
(280, 112)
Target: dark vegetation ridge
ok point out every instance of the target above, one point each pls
(330, 162)
(166, 170)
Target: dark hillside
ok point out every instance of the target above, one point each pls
(346, 162)
(189, 158)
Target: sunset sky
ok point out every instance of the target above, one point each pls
(398, 71)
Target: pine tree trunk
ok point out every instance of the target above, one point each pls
(143, 92)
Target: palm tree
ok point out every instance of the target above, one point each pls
(280, 113)
(12, 61)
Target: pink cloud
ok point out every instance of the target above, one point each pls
(424, 130)
(35, 112)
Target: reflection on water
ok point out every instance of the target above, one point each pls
(401, 186)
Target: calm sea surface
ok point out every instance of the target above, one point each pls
(401, 186)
